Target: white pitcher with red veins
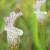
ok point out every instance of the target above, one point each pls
(13, 33)
(40, 14)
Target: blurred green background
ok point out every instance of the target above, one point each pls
(32, 39)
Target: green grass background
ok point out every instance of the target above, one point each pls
(28, 23)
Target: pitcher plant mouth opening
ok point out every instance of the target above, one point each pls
(40, 14)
